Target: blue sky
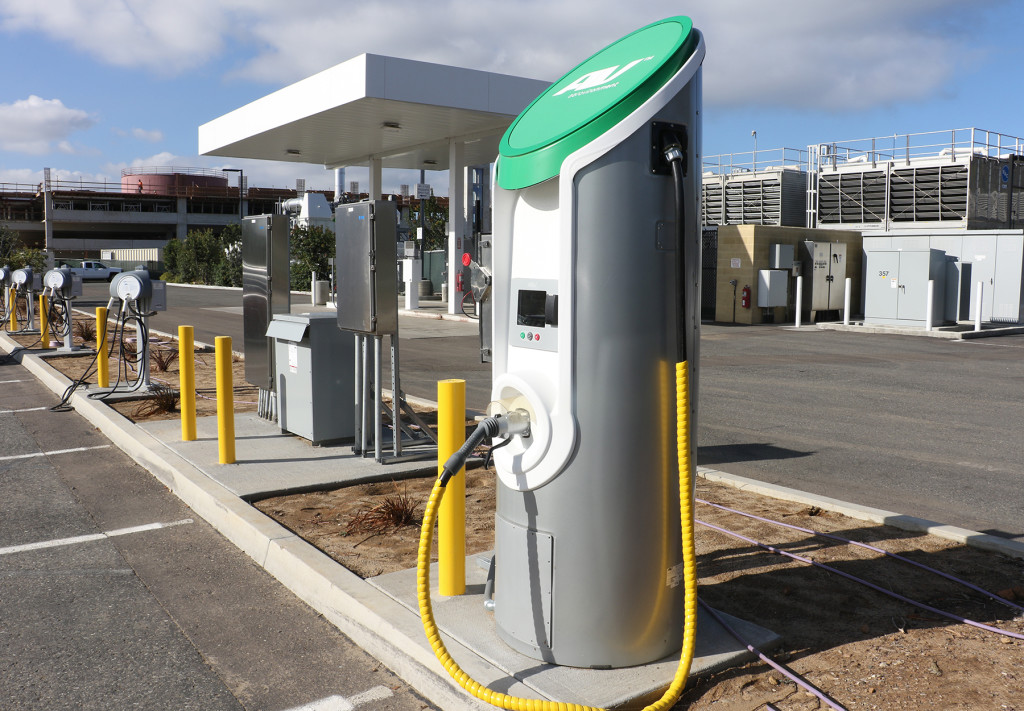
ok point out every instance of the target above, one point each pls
(94, 86)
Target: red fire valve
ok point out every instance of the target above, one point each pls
(745, 298)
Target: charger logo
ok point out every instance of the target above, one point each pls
(600, 79)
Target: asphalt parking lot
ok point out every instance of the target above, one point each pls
(115, 595)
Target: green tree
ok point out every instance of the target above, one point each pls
(172, 260)
(200, 258)
(435, 223)
(229, 272)
(311, 247)
(15, 254)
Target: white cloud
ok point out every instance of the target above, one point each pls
(154, 136)
(163, 37)
(34, 124)
(816, 54)
(796, 53)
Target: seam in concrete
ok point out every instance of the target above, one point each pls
(354, 606)
(975, 539)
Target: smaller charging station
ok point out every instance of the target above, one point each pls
(6, 300)
(138, 297)
(27, 284)
(62, 287)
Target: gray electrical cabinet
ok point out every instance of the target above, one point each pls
(896, 287)
(265, 291)
(314, 362)
(366, 253)
(824, 271)
(772, 287)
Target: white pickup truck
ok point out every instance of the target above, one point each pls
(95, 271)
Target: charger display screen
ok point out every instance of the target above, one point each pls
(530, 310)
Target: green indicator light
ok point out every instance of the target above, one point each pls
(522, 334)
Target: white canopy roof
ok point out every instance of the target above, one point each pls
(401, 111)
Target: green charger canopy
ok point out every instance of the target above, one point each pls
(590, 99)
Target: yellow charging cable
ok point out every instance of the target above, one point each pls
(505, 701)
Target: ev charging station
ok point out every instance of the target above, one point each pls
(140, 297)
(63, 287)
(6, 300)
(587, 555)
(26, 283)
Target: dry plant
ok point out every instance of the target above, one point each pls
(163, 358)
(85, 329)
(129, 349)
(164, 399)
(393, 511)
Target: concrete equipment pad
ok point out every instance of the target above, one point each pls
(464, 619)
(270, 462)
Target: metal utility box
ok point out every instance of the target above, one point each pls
(772, 287)
(896, 289)
(366, 253)
(824, 272)
(315, 389)
(265, 291)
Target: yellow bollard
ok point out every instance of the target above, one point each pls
(44, 337)
(451, 518)
(13, 325)
(102, 369)
(225, 401)
(187, 377)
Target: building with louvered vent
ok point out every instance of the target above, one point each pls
(968, 179)
(757, 188)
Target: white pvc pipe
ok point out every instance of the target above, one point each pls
(980, 301)
(846, 301)
(799, 298)
(929, 304)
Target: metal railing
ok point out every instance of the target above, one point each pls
(952, 145)
(755, 161)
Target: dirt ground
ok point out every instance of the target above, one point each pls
(163, 351)
(864, 649)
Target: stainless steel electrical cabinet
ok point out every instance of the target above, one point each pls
(314, 362)
(366, 253)
(265, 291)
(824, 269)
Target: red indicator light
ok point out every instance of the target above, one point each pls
(466, 259)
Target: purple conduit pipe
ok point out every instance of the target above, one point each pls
(773, 664)
(854, 578)
(870, 547)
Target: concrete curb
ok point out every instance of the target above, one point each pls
(354, 606)
(937, 332)
(975, 539)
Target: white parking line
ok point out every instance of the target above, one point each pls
(91, 537)
(4, 382)
(340, 703)
(24, 409)
(55, 451)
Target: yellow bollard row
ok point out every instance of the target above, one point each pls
(43, 325)
(102, 369)
(451, 519)
(187, 378)
(225, 401)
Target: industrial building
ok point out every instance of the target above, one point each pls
(148, 207)
(956, 191)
